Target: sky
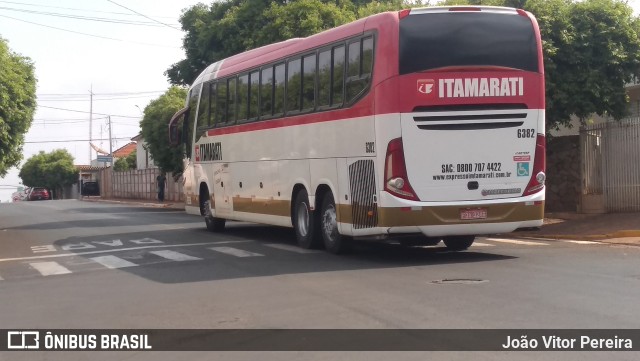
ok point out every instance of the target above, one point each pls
(124, 74)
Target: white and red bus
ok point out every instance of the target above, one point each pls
(420, 125)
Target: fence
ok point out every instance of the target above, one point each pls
(137, 184)
(611, 164)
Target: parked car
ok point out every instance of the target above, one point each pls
(38, 194)
(90, 188)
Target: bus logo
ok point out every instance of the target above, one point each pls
(425, 86)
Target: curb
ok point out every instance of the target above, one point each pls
(582, 237)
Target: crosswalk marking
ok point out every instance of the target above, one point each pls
(175, 256)
(480, 244)
(583, 242)
(290, 248)
(113, 262)
(235, 252)
(513, 241)
(49, 268)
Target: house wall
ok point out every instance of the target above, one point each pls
(138, 184)
(143, 157)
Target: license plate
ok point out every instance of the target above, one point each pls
(478, 213)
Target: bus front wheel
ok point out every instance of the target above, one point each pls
(304, 222)
(334, 242)
(213, 224)
(458, 243)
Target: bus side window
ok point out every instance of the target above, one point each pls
(213, 105)
(337, 95)
(187, 130)
(309, 82)
(243, 96)
(359, 68)
(254, 95)
(324, 78)
(232, 104)
(203, 111)
(221, 99)
(279, 83)
(294, 85)
(266, 92)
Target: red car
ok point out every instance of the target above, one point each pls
(37, 194)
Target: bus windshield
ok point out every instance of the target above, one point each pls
(453, 39)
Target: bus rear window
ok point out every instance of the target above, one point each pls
(437, 40)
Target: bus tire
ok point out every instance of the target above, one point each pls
(213, 224)
(304, 222)
(334, 242)
(458, 243)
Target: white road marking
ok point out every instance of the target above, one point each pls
(480, 244)
(175, 256)
(1, 279)
(235, 252)
(49, 268)
(113, 262)
(514, 241)
(117, 250)
(40, 249)
(290, 248)
(583, 242)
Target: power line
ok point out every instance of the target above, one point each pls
(133, 11)
(100, 94)
(75, 9)
(95, 99)
(74, 140)
(91, 35)
(82, 111)
(82, 17)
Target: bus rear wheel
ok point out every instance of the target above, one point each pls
(458, 243)
(304, 222)
(213, 224)
(334, 242)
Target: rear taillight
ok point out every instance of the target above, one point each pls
(538, 176)
(396, 181)
(404, 13)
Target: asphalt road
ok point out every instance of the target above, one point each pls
(72, 264)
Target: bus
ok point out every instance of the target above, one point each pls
(422, 125)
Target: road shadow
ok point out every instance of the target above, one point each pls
(211, 265)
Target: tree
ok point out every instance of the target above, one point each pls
(17, 105)
(127, 163)
(54, 170)
(155, 129)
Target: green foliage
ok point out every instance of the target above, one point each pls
(53, 170)
(155, 129)
(125, 164)
(17, 105)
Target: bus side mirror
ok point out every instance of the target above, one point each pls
(175, 136)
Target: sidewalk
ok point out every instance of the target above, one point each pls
(137, 202)
(620, 228)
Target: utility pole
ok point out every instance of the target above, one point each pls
(110, 141)
(90, 121)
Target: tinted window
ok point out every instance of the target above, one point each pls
(355, 83)
(221, 99)
(430, 41)
(367, 56)
(254, 93)
(279, 82)
(338, 75)
(213, 106)
(294, 85)
(309, 82)
(324, 78)
(266, 90)
(203, 111)
(232, 110)
(187, 127)
(243, 96)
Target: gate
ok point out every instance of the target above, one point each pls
(611, 164)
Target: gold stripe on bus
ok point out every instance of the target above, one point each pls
(448, 215)
(272, 207)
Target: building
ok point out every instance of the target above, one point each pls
(143, 156)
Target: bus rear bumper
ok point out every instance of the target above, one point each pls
(466, 229)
